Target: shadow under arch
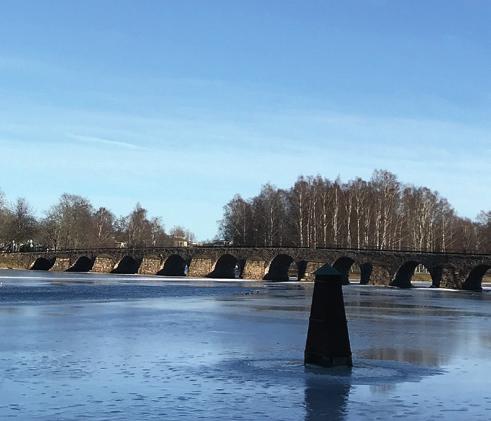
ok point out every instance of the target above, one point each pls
(82, 264)
(280, 269)
(174, 265)
(405, 273)
(226, 267)
(344, 265)
(475, 277)
(43, 263)
(127, 265)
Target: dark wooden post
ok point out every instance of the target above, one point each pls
(327, 338)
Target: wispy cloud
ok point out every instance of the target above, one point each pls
(104, 141)
(30, 66)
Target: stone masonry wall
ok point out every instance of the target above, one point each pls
(149, 266)
(452, 270)
(254, 269)
(200, 267)
(15, 261)
(103, 265)
(61, 264)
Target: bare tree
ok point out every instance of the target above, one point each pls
(71, 222)
(104, 230)
(138, 230)
(20, 224)
(236, 224)
(182, 233)
(299, 198)
(379, 213)
(484, 231)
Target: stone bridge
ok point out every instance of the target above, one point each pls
(377, 267)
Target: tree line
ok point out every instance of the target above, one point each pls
(74, 223)
(381, 213)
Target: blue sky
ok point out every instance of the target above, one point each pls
(182, 104)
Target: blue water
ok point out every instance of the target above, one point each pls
(109, 347)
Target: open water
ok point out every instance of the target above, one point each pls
(108, 347)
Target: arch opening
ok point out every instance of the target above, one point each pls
(227, 267)
(414, 271)
(82, 264)
(476, 277)
(43, 263)
(343, 265)
(174, 265)
(127, 265)
(282, 268)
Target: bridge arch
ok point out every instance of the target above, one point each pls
(406, 271)
(345, 264)
(473, 282)
(174, 265)
(82, 264)
(281, 268)
(43, 263)
(127, 265)
(227, 266)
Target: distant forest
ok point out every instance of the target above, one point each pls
(74, 223)
(381, 213)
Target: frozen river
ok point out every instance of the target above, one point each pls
(91, 346)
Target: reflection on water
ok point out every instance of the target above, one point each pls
(422, 355)
(142, 347)
(383, 388)
(325, 401)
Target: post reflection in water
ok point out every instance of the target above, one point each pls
(325, 399)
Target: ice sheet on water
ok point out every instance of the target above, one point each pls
(170, 349)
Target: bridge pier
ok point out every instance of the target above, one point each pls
(200, 267)
(103, 265)
(380, 276)
(150, 266)
(254, 269)
(436, 276)
(13, 261)
(61, 264)
(450, 278)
